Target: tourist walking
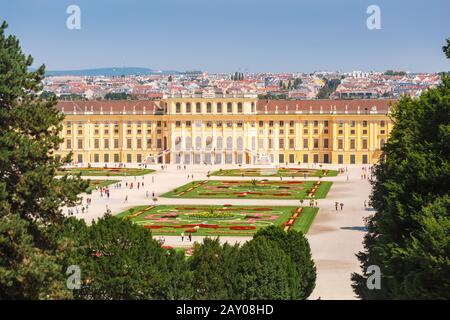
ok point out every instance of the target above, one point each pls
(342, 206)
(336, 204)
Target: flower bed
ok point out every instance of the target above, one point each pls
(242, 228)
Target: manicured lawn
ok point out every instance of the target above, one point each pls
(226, 220)
(106, 171)
(255, 189)
(100, 183)
(275, 172)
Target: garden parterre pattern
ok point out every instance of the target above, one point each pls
(105, 171)
(254, 189)
(224, 220)
(275, 172)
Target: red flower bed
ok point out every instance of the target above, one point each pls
(262, 209)
(153, 227)
(189, 225)
(242, 228)
(227, 205)
(212, 226)
(192, 230)
(167, 247)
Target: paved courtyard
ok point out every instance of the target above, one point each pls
(335, 236)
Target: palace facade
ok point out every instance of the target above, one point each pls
(225, 129)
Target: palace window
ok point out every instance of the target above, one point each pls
(106, 143)
(116, 143)
(305, 144)
(291, 144)
(80, 143)
(208, 107)
(364, 143)
(325, 143)
(229, 107)
(188, 107)
(177, 124)
(219, 107)
(340, 144)
(129, 143)
(316, 143)
(96, 144)
(239, 106)
(178, 108)
(149, 143)
(198, 107)
(352, 144)
(139, 143)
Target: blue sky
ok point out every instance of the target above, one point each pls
(233, 35)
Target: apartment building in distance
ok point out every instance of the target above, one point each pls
(225, 129)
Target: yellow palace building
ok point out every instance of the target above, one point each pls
(225, 129)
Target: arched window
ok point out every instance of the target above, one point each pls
(178, 143)
(240, 143)
(219, 107)
(178, 108)
(208, 107)
(198, 107)
(219, 143)
(198, 143)
(188, 143)
(229, 107)
(229, 143)
(208, 143)
(188, 107)
(239, 107)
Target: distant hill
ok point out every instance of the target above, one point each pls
(109, 72)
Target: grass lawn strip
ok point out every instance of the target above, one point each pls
(100, 183)
(106, 171)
